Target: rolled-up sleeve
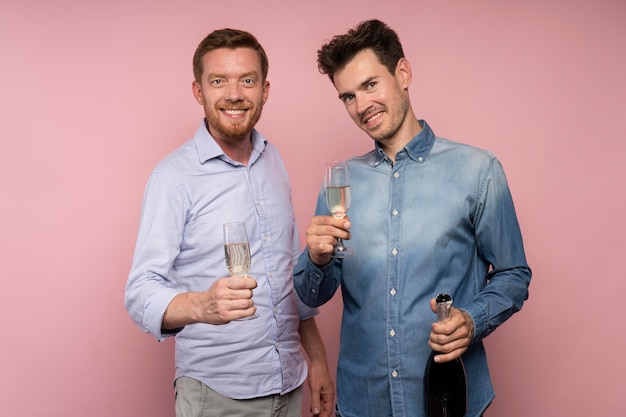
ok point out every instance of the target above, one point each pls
(148, 290)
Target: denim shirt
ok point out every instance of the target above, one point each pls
(439, 219)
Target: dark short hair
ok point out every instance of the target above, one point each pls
(370, 34)
(228, 38)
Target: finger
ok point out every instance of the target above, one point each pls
(241, 283)
(327, 405)
(449, 350)
(342, 224)
(315, 401)
(246, 312)
(449, 344)
(237, 310)
(322, 220)
(243, 303)
(329, 234)
(447, 357)
(451, 337)
(322, 225)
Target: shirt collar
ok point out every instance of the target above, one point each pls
(417, 148)
(208, 148)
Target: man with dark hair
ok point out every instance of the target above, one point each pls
(179, 283)
(427, 216)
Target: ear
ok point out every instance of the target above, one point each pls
(266, 90)
(403, 73)
(196, 89)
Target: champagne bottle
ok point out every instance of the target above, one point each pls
(445, 385)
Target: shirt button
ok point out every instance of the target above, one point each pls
(393, 291)
(420, 159)
(396, 175)
(392, 333)
(394, 251)
(394, 374)
(395, 212)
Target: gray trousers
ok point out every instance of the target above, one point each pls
(194, 399)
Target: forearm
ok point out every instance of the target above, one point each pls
(180, 312)
(320, 382)
(312, 341)
(502, 297)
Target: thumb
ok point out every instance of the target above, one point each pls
(315, 401)
(433, 305)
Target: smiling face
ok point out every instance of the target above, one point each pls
(232, 91)
(375, 99)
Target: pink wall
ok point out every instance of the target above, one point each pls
(92, 96)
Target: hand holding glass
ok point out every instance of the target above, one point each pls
(337, 190)
(237, 252)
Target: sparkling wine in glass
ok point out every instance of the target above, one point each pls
(237, 251)
(337, 190)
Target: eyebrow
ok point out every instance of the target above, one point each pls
(244, 75)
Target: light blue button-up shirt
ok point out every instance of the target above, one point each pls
(180, 248)
(439, 219)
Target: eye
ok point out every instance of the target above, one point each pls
(248, 82)
(217, 82)
(348, 98)
(371, 85)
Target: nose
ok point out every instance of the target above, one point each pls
(363, 103)
(234, 92)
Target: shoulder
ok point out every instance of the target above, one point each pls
(466, 163)
(467, 150)
(462, 155)
(180, 159)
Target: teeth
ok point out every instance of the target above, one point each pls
(374, 117)
(234, 111)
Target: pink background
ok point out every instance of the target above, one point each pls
(93, 95)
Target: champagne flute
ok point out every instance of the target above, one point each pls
(337, 190)
(237, 252)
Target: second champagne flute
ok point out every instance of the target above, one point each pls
(337, 190)
(237, 252)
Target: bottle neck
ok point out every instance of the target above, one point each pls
(443, 309)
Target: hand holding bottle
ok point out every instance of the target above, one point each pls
(445, 383)
(452, 338)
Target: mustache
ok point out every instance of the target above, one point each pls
(238, 105)
(369, 113)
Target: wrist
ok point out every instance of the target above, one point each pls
(181, 311)
(320, 261)
(469, 323)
